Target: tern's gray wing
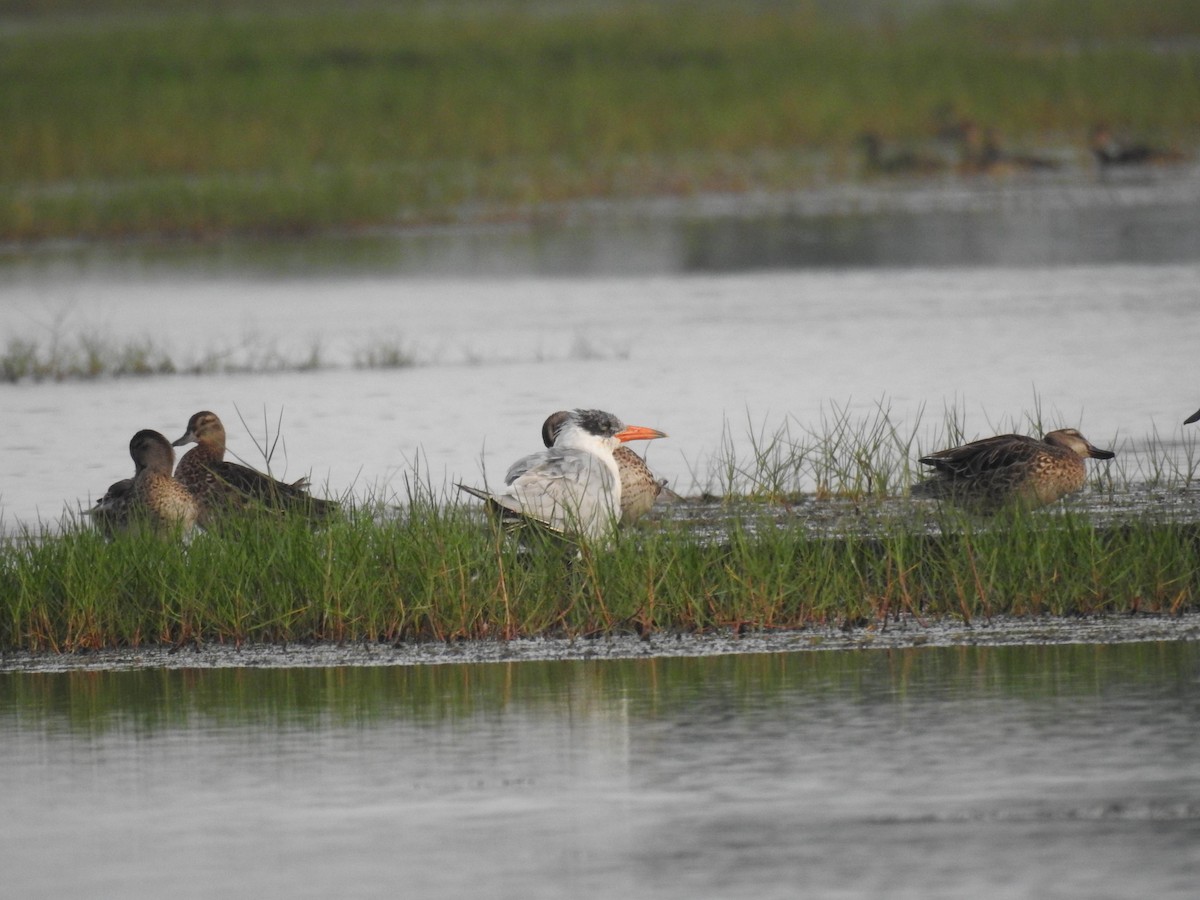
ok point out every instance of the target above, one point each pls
(560, 462)
(567, 489)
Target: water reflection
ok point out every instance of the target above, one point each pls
(1150, 220)
(1019, 237)
(910, 773)
(91, 702)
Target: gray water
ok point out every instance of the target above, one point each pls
(1142, 217)
(1052, 771)
(1011, 306)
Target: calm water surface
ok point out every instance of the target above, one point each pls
(983, 772)
(1057, 771)
(716, 357)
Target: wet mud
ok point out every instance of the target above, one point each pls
(711, 518)
(904, 633)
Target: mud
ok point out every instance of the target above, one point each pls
(903, 634)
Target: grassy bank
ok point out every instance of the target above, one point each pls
(287, 119)
(439, 572)
(809, 526)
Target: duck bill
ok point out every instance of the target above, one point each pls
(1096, 453)
(1192, 418)
(187, 438)
(639, 433)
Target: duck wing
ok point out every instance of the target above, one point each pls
(987, 455)
(255, 486)
(111, 512)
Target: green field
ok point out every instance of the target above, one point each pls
(152, 119)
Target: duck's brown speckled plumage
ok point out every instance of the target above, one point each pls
(1010, 469)
(152, 498)
(639, 487)
(160, 498)
(221, 486)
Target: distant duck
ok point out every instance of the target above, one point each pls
(573, 487)
(948, 126)
(111, 512)
(1010, 469)
(639, 487)
(896, 161)
(221, 486)
(152, 498)
(1111, 152)
(981, 154)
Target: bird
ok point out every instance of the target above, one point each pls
(981, 154)
(111, 512)
(574, 487)
(639, 487)
(898, 161)
(1111, 152)
(152, 497)
(221, 486)
(1010, 469)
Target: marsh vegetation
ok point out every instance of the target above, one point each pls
(262, 118)
(89, 356)
(757, 554)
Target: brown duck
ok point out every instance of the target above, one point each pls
(221, 486)
(1010, 469)
(982, 154)
(111, 512)
(900, 161)
(152, 497)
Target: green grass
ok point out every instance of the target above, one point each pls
(844, 455)
(259, 120)
(765, 555)
(439, 573)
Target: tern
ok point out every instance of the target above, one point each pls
(573, 487)
(639, 487)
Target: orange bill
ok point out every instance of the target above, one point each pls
(639, 433)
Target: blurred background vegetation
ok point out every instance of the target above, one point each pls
(178, 118)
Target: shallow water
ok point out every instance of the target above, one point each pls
(1062, 771)
(715, 328)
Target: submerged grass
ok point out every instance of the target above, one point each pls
(92, 356)
(285, 118)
